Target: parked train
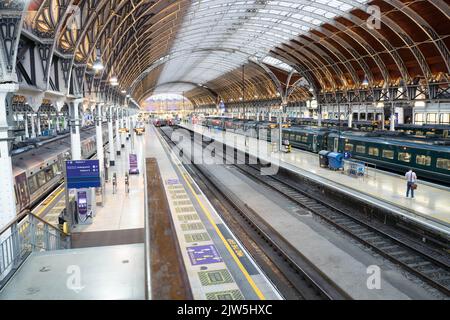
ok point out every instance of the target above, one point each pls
(430, 158)
(38, 171)
(426, 130)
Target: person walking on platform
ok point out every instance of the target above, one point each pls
(411, 178)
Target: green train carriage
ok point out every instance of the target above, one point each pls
(429, 160)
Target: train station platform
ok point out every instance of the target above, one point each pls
(430, 208)
(107, 259)
(217, 265)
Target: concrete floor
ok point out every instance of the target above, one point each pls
(107, 273)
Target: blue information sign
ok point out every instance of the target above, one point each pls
(83, 174)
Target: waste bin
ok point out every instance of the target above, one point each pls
(323, 158)
(335, 160)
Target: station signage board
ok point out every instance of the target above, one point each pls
(83, 174)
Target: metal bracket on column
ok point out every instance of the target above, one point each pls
(65, 67)
(44, 50)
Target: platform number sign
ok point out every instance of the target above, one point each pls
(83, 174)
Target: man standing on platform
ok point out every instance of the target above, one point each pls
(411, 177)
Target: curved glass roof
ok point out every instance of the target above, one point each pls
(224, 35)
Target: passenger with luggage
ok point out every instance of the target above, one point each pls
(411, 179)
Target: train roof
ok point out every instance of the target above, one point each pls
(417, 144)
(309, 129)
(29, 159)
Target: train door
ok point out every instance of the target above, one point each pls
(315, 143)
(22, 194)
(336, 145)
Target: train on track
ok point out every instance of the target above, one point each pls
(396, 152)
(429, 130)
(39, 170)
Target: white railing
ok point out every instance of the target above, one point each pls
(26, 234)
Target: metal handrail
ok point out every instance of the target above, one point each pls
(26, 234)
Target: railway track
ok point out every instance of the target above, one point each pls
(433, 271)
(428, 265)
(294, 276)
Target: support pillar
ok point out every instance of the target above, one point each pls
(57, 123)
(112, 155)
(99, 137)
(39, 130)
(319, 116)
(33, 126)
(7, 197)
(118, 143)
(49, 121)
(26, 125)
(350, 117)
(392, 122)
(122, 125)
(75, 141)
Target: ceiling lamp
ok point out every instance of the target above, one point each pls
(98, 65)
(123, 91)
(365, 82)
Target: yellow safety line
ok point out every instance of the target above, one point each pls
(227, 245)
(51, 201)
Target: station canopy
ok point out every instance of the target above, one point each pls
(210, 50)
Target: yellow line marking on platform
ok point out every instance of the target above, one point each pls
(225, 242)
(50, 202)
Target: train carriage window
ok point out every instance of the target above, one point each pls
(445, 118)
(404, 157)
(423, 160)
(419, 118)
(349, 147)
(432, 118)
(388, 154)
(298, 138)
(443, 164)
(292, 137)
(374, 152)
(305, 139)
(32, 184)
(360, 149)
(55, 169)
(41, 178)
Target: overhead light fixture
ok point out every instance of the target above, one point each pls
(311, 89)
(365, 82)
(128, 96)
(113, 79)
(98, 65)
(123, 91)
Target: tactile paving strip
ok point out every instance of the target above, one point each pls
(209, 278)
(181, 210)
(225, 295)
(182, 203)
(188, 217)
(192, 226)
(197, 237)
